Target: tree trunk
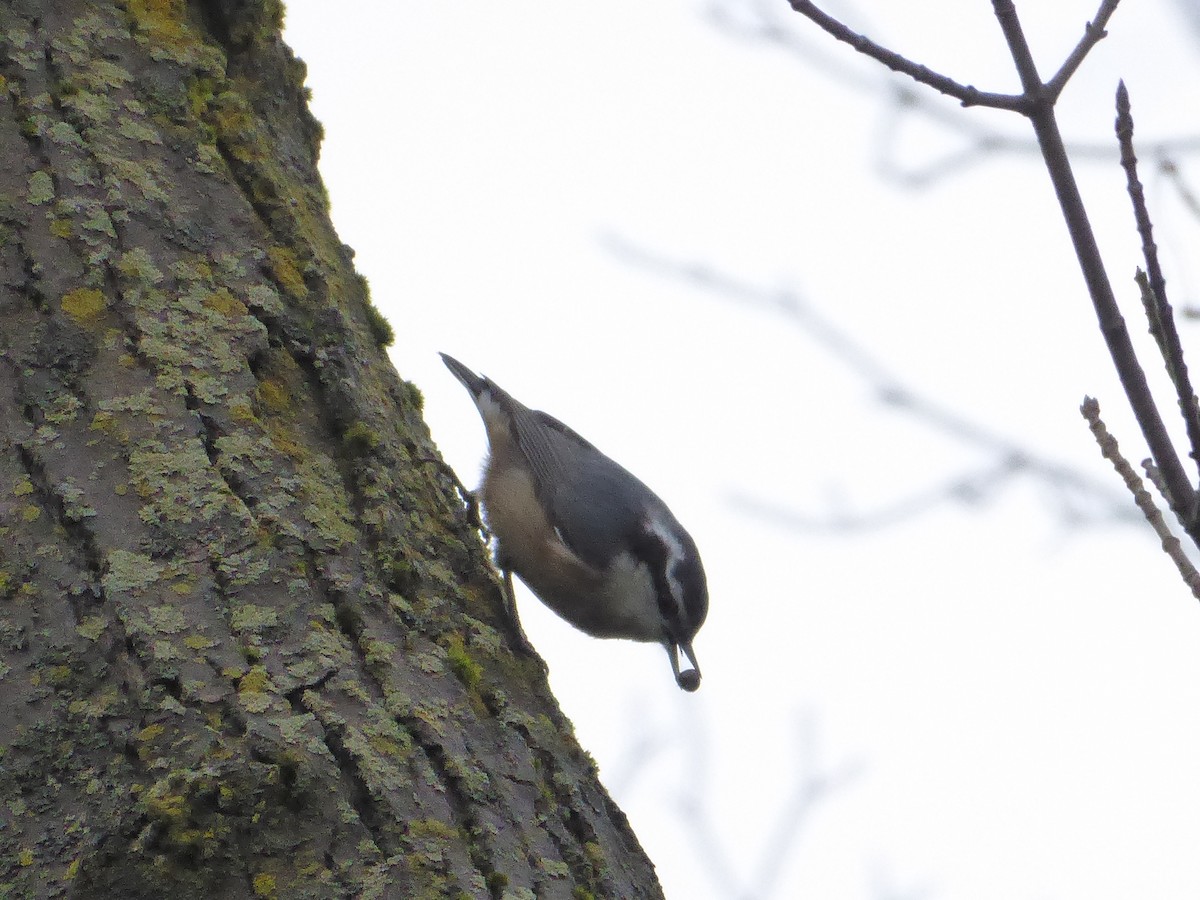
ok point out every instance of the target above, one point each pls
(250, 645)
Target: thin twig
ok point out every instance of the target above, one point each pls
(1112, 325)
(1018, 48)
(1161, 315)
(763, 21)
(1154, 475)
(1142, 497)
(969, 488)
(1150, 308)
(1093, 33)
(966, 94)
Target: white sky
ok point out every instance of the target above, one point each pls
(1017, 701)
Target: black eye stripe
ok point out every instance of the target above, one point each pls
(668, 573)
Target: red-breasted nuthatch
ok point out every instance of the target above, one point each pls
(590, 540)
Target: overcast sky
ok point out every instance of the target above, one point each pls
(1001, 682)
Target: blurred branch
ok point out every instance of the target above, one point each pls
(760, 20)
(1170, 169)
(1172, 181)
(969, 489)
(1073, 491)
(1190, 10)
(647, 744)
(813, 783)
(882, 889)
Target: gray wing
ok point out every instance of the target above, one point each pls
(599, 512)
(593, 502)
(554, 451)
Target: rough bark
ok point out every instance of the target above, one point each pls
(249, 644)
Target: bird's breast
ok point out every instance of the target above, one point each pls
(617, 602)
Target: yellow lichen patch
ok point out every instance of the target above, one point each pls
(287, 272)
(264, 885)
(198, 642)
(250, 617)
(106, 423)
(60, 228)
(199, 93)
(167, 619)
(84, 305)
(225, 303)
(160, 19)
(255, 681)
(91, 628)
(40, 188)
(242, 413)
(435, 828)
(252, 690)
(385, 746)
(274, 395)
(465, 669)
(361, 438)
(230, 115)
(165, 807)
(137, 265)
(283, 441)
(128, 571)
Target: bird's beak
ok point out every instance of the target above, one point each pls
(689, 680)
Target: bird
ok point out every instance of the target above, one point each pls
(589, 539)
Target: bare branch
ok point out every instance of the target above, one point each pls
(1158, 308)
(1145, 502)
(1112, 325)
(759, 20)
(1077, 498)
(966, 94)
(1093, 33)
(1037, 104)
(1018, 48)
(1067, 489)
